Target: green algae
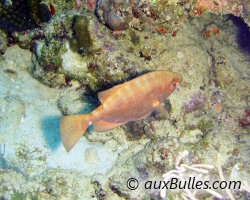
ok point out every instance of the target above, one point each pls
(3, 42)
(206, 126)
(21, 196)
(135, 39)
(48, 65)
(80, 27)
(26, 154)
(73, 43)
(51, 55)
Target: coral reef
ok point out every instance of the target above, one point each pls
(49, 62)
(196, 102)
(115, 14)
(221, 6)
(23, 15)
(184, 172)
(3, 42)
(89, 46)
(80, 27)
(245, 120)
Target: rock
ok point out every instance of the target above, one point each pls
(12, 113)
(71, 103)
(91, 156)
(115, 14)
(226, 75)
(73, 63)
(180, 55)
(22, 61)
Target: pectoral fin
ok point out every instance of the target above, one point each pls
(156, 103)
(105, 125)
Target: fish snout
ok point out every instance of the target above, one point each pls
(174, 85)
(177, 86)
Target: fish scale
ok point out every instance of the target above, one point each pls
(130, 101)
(138, 89)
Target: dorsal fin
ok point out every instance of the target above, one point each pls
(104, 95)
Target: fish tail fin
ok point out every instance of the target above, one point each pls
(72, 128)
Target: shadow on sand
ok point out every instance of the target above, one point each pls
(51, 128)
(51, 131)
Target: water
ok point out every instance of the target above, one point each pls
(56, 73)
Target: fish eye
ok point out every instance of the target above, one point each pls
(174, 86)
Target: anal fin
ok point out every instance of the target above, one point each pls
(102, 125)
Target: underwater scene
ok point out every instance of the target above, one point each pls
(133, 99)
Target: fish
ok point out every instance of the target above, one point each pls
(126, 102)
(22, 15)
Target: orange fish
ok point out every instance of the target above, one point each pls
(130, 101)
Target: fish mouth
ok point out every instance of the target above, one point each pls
(177, 86)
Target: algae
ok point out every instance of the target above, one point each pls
(3, 42)
(21, 196)
(160, 36)
(80, 27)
(50, 59)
